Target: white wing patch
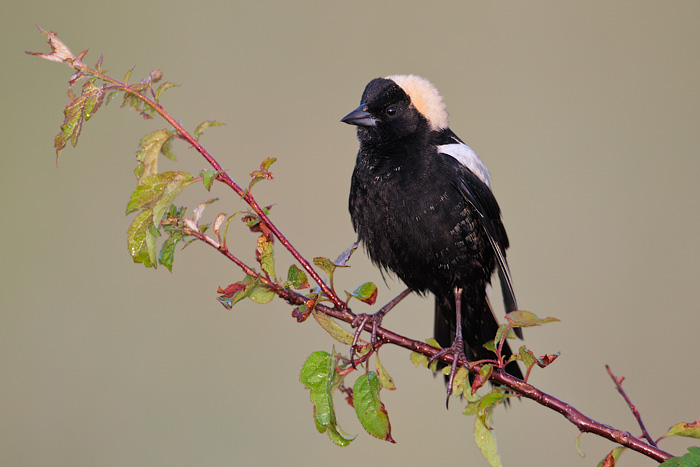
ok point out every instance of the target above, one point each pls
(467, 157)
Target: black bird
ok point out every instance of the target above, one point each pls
(421, 204)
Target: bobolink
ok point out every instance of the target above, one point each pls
(421, 204)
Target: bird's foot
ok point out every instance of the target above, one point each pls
(457, 352)
(360, 322)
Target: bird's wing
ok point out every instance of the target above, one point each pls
(480, 197)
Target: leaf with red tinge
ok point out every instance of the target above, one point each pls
(76, 112)
(297, 278)
(366, 292)
(612, 457)
(342, 260)
(482, 377)
(369, 408)
(236, 292)
(262, 174)
(689, 430)
(59, 51)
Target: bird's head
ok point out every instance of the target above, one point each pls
(398, 106)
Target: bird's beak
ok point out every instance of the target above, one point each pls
(360, 117)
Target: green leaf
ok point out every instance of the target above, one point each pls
(147, 153)
(164, 87)
(325, 264)
(366, 292)
(203, 126)
(522, 319)
(127, 76)
(689, 430)
(265, 255)
(297, 277)
(577, 444)
(78, 110)
(208, 177)
(262, 294)
(384, 378)
(167, 151)
(157, 192)
(369, 408)
(332, 328)
(167, 251)
(692, 459)
(318, 375)
(486, 442)
(140, 241)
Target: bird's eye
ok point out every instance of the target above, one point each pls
(390, 111)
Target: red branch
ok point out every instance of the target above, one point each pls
(584, 423)
(633, 408)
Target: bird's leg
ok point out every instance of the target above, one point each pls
(376, 319)
(457, 347)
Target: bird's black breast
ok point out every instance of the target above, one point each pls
(413, 219)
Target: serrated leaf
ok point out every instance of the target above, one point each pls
(263, 173)
(487, 443)
(208, 177)
(199, 210)
(59, 51)
(158, 192)
(384, 377)
(318, 375)
(140, 241)
(369, 408)
(203, 126)
(418, 359)
(127, 75)
(167, 251)
(265, 255)
(366, 292)
(689, 430)
(78, 110)
(325, 264)
(150, 146)
(333, 328)
(521, 319)
(164, 87)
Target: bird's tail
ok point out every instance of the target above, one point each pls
(479, 326)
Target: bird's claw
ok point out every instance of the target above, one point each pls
(457, 352)
(359, 322)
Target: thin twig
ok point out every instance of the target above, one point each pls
(633, 408)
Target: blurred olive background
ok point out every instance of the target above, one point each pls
(586, 113)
